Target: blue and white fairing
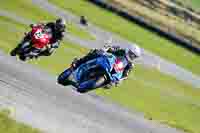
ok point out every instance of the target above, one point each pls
(113, 67)
(111, 64)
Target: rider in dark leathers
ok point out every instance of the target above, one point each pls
(57, 30)
(130, 53)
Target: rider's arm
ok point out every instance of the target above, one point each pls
(112, 49)
(127, 70)
(116, 82)
(116, 50)
(60, 36)
(49, 25)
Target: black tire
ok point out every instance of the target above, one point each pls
(65, 80)
(22, 58)
(17, 50)
(14, 52)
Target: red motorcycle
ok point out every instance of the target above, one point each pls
(40, 39)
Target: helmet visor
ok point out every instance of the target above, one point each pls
(60, 27)
(131, 55)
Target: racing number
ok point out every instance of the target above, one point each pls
(38, 34)
(118, 66)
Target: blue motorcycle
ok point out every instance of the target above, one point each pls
(94, 73)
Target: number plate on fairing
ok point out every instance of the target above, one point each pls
(118, 66)
(39, 34)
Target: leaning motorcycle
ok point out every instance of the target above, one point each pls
(40, 39)
(94, 73)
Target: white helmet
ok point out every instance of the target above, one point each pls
(132, 52)
(109, 42)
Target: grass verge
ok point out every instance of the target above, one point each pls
(8, 125)
(81, 33)
(134, 33)
(195, 4)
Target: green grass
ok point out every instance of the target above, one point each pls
(26, 9)
(195, 4)
(8, 125)
(79, 32)
(11, 28)
(134, 33)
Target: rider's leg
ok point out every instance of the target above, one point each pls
(55, 45)
(25, 44)
(47, 52)
(34, 52)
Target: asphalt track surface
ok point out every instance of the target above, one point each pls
(37, 100)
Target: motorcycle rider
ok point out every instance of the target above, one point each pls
(129, 54)
(57, 30)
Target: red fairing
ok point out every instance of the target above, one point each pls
(40, 39)
(118, 66)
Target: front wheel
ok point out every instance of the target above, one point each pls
(66, 77)
(14, 52)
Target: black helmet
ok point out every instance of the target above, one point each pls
(60, 24)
